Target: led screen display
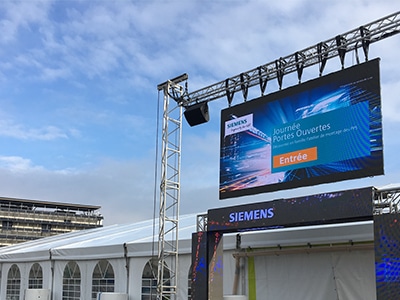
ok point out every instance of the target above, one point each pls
(325, 130)
(326, 208)
(387, 256)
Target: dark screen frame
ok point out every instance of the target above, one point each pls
(364, 76)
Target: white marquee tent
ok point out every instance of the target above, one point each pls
(319, 262)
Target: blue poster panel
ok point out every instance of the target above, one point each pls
(325, 130)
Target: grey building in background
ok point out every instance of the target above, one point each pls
(24, 220)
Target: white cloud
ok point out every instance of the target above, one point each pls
(19, 131)
(21, 14)
(17, 164)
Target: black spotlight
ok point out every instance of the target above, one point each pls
(197, 114)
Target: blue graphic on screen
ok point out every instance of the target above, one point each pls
(387, 255)
(330, 127)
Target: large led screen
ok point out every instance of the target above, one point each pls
(387, 256)
(326, 208)
(325, 130)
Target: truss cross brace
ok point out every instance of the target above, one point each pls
(319, 54)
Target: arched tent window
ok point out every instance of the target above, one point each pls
(149, 280)
(13, 283)
(103, 278)
(71, 282)
(35, 277)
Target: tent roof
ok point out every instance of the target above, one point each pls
(107, 242)
(136, 239)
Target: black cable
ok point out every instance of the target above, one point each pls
(155, 175)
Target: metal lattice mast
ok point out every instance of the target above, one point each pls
(169, 190)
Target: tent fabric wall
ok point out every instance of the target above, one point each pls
(24, 268)
(136, 266)
(355, 275)
(326, 276)
(132, 245)
(86, 268)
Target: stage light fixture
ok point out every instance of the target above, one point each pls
(197, 114)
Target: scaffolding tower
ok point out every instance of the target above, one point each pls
(169, 188)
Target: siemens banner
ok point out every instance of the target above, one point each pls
(328, 129)
(327, 208)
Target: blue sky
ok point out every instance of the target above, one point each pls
(78, 91)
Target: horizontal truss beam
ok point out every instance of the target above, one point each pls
(361, 37)
(387, 201)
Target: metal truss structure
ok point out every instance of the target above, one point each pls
(318, 54)
(386, 200)
(169, 189)
(202, 223)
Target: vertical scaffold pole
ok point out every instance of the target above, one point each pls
(169, 190)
